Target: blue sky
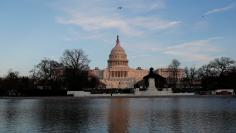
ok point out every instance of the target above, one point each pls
(153, 32)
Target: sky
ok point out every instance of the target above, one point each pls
(152, 32)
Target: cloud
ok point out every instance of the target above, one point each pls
(219, 10)
(202, 25)
(143, 5)
(153, 23)
(128, 26)
(98, 23)
(197, 50)
(140, 56)
(75, 35)
(102, 17)
(193, 51)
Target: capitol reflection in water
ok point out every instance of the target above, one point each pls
(116, 115)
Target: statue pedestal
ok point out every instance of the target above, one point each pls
(151, 90)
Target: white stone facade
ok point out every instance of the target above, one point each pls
(118, 74)
(168, 73)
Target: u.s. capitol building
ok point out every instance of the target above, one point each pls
(118, 74)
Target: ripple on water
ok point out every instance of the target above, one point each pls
(173, 114)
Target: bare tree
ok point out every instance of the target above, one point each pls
(174, 64)
(75, 59)
(12, 75)
(174, 69)
(11, 83)
(221, 65)
(76, 74)
(190, 76)
(205, 71)
(45, 69)
(213, 75)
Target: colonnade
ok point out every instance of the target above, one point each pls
(119, 73)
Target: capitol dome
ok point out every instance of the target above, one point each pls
(117, 56)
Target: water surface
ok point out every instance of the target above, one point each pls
(101, 115)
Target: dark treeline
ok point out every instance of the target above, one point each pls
(51, 78)
(217, 74)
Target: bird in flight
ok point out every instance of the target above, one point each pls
(120, 7)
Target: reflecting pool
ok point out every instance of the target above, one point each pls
(118, 115)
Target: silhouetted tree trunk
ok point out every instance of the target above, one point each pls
(174, 69)
(190, 76)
